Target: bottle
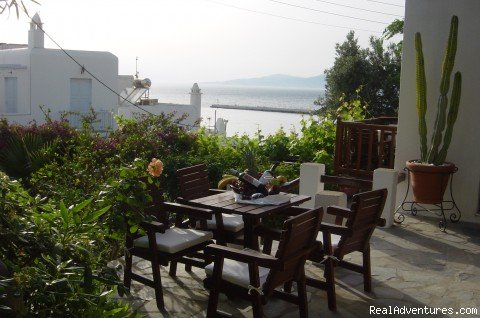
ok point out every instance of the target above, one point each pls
(233, 172)
(266, 177)
(248, 179)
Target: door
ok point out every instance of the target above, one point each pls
(80, 95)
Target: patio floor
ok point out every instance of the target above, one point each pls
(414, 265)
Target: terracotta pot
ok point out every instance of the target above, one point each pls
(429, 182)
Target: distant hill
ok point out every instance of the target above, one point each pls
(280, 80)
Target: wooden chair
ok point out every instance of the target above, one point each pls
(194, 184)
(168, 243)
(339, 239)
(254, 275)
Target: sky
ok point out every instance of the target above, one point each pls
(186, 41)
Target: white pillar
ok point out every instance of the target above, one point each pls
(196, 102)
(310, 184)
(387, 178)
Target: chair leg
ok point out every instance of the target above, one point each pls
(172, 271)
(287, 287)
(330, 280)
(214, 291)
(127, 273)
(257, 305)
(255, 296)
(367, 271)
(188, 268)
(157, 282)
(302, 297)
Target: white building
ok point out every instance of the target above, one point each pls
(32, 76)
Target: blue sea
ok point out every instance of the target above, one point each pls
(244, 121)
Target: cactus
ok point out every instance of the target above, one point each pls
(434, 156)
(421, 97)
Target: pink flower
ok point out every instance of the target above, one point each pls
(155, 167)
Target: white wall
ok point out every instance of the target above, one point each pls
(432, 19)
(22, 58)
(51, 71)
(46, 81)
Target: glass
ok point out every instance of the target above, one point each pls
(269, 182)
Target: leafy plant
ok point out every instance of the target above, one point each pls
(57, 254)
(434, 154)
(24, 154)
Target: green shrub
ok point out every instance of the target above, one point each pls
(56, 254)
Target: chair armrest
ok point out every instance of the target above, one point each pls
(335, 229)
(244, 256)
(182, 200)
(338, 211)
(153, 226)
(216, 191)
(196, 213)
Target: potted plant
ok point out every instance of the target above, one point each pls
(429, 175)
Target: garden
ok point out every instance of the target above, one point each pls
(68, 197)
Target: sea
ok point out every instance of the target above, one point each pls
(242, 122)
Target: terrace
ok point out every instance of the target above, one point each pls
(413, 265)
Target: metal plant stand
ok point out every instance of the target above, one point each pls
(439, 209)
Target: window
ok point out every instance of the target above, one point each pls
(11, 94)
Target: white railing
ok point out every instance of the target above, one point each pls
(104, 120)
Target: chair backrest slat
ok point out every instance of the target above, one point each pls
(296, 244)
(366, 210)
(193, 182)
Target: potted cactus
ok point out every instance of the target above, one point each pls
(430, 174)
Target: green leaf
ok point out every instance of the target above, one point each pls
(94, 216)
(81, 205)
(112, 312)
(64, 212)
(133, 228)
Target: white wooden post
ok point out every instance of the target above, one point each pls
(310, 184)
(387, 178)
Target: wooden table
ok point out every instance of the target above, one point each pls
(251, 213)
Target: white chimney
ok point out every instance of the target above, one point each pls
(35, 34)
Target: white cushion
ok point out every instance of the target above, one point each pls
(231, 222)
(237, 273)
(176, 239)
(333, 237)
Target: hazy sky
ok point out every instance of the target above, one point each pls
(184, 41)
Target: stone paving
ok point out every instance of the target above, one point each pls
(414, 264)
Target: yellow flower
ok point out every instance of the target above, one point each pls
(155, 167)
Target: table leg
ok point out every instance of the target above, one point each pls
(250, 239)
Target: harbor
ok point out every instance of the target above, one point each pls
(266, 109)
